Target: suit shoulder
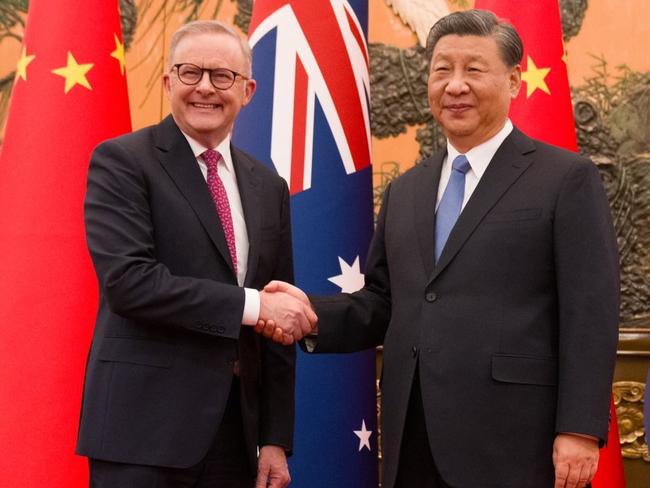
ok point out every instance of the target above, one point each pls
(135, 139)
(247, 158)
(559, 156)
(126, 147)
(558, 168)
(261, 169)
(412, 175)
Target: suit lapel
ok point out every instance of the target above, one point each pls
(249, 191)
(426, 190)
(180, 164)
(507, 165)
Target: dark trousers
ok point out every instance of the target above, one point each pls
(224, 466)
(416, 467)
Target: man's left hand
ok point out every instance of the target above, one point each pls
(575, 458)
(272, 469)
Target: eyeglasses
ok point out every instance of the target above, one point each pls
(221, 78)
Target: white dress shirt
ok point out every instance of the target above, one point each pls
(479, 158)
(226, 171)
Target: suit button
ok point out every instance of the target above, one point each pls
(213, 329)
(430, 297)
(221, 330)
(414, 351)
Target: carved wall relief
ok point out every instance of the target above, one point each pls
(628, 398)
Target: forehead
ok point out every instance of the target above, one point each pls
(466, 47)
(209, 48)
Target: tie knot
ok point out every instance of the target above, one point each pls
(461, 164)
(211, 158)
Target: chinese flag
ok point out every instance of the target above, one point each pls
(610, 466)
(543, 110)
(69, 94)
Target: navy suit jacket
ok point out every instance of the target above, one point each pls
(168, 328)
(514, 330)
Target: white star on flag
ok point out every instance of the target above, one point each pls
(351, 277)
(364, 436)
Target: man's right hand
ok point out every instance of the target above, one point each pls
(285, 313)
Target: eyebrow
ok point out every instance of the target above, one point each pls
(471, 57)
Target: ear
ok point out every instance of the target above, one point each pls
(167, 82)
(515, 81)
(249, 90)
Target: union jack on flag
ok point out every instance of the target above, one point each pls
(309, 120)
(320, 53)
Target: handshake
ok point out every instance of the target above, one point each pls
(285, 313)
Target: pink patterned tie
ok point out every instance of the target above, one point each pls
(220, 198)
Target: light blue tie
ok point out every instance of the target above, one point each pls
(451, 203)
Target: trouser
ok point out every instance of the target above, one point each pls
(224, 466)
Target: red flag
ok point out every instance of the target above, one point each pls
(543, 110)
(610, 466)
(69, 94)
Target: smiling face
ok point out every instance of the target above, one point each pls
(470, 88)
(202, 111)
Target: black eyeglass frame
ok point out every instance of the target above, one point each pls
(209, 71)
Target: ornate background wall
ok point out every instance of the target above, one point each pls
(609, 71)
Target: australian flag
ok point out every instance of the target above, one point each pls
(309, 120)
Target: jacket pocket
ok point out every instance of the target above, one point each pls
(527, 370)
(137, 351)
(518, 215)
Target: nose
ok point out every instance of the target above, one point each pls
(205, 85)
(457, 84)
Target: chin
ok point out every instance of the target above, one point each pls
(458, 131)
(204, 126)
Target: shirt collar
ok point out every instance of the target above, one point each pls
(223, 148)
(479, 157)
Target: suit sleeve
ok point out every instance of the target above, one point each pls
(120, 237)
(350, 322)
(587, 274)
(278, 362)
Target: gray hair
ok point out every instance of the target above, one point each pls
(209, 27)
(481, 23)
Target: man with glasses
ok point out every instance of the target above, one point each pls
(183, 229)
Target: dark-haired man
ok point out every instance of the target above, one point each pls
(492, 282)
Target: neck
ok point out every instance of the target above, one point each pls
(209, 141)
(466, 144)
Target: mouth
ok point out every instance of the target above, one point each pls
(205, 106)
(457, 107)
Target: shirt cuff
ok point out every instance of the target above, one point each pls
(251, 307)
(311, 341)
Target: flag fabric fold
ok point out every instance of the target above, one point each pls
(69, 94)
(543, 110)
(309, 120)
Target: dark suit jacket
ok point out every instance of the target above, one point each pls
(169, 322)
(514, 331)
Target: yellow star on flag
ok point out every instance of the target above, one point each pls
(534, 78)
(74, 73)
(119, 53)
(23, 62)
